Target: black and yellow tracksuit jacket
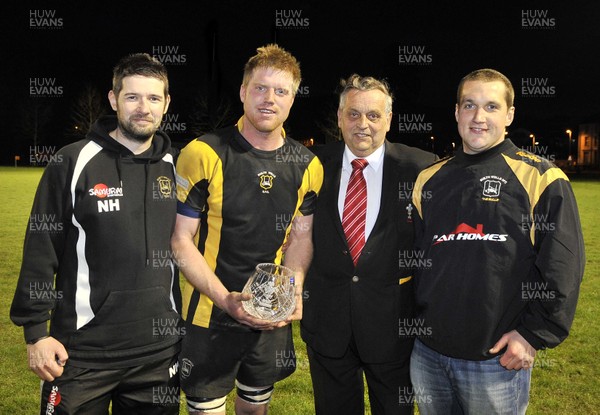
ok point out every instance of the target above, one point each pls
(501, 240)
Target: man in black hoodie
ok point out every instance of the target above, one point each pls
(97, 262)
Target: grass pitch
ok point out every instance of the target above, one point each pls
(565, 380)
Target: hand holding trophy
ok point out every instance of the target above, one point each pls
(272, 290)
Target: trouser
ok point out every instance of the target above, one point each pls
(338, 384)
(444, 385)
(149, 389)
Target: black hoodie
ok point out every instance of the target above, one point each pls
(101, 223)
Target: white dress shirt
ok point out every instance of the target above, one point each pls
(373, 174)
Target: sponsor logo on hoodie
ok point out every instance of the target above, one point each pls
(464, 232)
(104, 193)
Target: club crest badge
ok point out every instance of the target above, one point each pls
(492, 186)
(186, 368)
(266, 180)
(165, 186)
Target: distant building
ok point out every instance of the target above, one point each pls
(588, 151)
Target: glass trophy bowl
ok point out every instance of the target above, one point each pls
(272, 289)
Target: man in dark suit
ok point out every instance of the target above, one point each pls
(359, 290)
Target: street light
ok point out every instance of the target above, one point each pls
(433, 144)
(570, 158)
(532, 142)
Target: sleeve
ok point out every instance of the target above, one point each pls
(559, 264)
(195, 167)
(45, 236)
(311, 186)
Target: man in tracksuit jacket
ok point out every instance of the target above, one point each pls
(499, 232)
(97, 262)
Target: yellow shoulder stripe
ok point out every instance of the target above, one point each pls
(534, 183)
(423, 177)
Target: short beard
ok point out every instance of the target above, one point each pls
(128, 131)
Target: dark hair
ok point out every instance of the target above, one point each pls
(139, 64)
(488, 75)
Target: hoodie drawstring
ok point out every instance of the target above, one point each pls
(118, 161)
(146, 184)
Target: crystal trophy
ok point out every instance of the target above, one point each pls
(272, 289)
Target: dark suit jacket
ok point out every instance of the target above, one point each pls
(368, 301)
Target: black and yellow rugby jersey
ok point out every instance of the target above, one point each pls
(246, 199)
(502, 249)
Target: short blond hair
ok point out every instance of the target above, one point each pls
(274, 56)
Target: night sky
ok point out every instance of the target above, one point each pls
(549, 51)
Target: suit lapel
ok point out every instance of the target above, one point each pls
(329, 197)
(389, 189)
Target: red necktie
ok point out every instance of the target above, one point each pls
(355, 209)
